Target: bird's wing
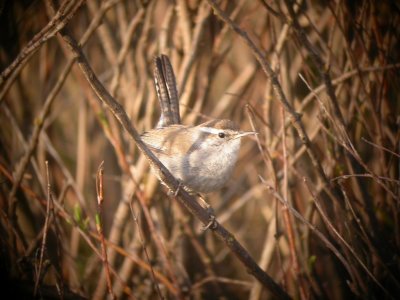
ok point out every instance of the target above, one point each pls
(160, 140)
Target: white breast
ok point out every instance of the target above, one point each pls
(205, 171)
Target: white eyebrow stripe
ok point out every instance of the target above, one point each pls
(210, 130)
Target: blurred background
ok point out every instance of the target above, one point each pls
(337, 64)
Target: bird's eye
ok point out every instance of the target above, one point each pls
(221, 135)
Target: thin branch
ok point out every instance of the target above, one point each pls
(153, 277)
(366, 175)
(99, 224)
(273, 77)
(286, 216)
(314, 229)
(33, 141)
(45, 230)
(342, 240)
(322, 68)
(58, 22)
(188, 201)
(381, 147)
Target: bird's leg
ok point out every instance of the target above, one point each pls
(212, 223)
(176, 192)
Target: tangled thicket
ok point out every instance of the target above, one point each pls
(315, 197)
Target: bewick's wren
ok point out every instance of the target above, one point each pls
(202, 157)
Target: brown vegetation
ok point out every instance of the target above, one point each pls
(315, 197)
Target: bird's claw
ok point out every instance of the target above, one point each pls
(212, 224)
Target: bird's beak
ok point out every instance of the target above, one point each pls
(244, 133)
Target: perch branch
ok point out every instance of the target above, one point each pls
(187, 200)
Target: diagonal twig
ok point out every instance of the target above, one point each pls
(187, 200)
